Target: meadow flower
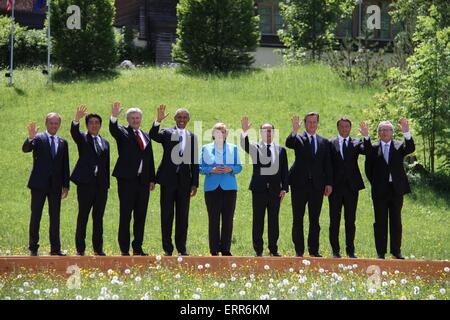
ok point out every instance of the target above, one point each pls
(78, 297)
(215, 284)
(137, 279)
(26, 284)
(384, 273)
(392, 282)
(264, 297)
(115, 297)
(442, 291)
(306, 262)
(233, 279)
(403, 281)
(21, 290)
(447, 269)
(309, 295)
(177, 276)
(198, 290)
(110, 272)
(37, 292)
(222, 285)
(158, 258)
(291, 270)
(248, 285)
(242, 293)
(55, 290)
(321, 270)
(266, 267)
(176, 296)
(233, 265)
(384, 284)
(286, 282)
(156, 288)
(127, 271)
(200, 267)
(372, 290)
(196, 296)
(207, 265)
(432, 297)
(180, 259)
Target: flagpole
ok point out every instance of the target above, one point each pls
(11, 62)
(49, 76)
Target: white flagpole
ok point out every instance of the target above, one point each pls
(48, 45)
(11, 62)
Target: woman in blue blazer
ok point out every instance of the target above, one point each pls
(220, 164)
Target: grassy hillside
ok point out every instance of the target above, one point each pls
(269, 95)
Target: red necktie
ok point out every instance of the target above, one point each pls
(139, 140)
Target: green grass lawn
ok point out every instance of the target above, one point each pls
(273, 95)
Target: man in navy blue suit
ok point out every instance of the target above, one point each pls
(49, 179)
(91, 175)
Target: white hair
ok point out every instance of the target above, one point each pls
(182, 110)
(134, 110)
(385, 123)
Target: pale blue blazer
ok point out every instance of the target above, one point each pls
(226, 181)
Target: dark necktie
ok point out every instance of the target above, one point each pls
(98, 148)
(139, 140)
(269, 152)
(344, 148)
(313, 146)
(52, 147)
(180, 141)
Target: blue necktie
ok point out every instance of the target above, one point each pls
(52, 147)
(386, 153)
(313, 146)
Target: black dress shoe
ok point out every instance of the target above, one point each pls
(183, 253)
(315, 255)
(125, 254)
(258, 254)
(275, 254)
(226, 254)
(167, 253)
(33, 253)
(58, 253)
(214, 254)
(140, 253)
(399, 256)
(337, 255)
(100, 254)
(381, 256)
(80, 254)
(352, 256)
(299, 255)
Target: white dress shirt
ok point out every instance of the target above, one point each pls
(341, 144)
(55, 140)
(315, 139)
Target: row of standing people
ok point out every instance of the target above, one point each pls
(321, 168)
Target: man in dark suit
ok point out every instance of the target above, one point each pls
(269, 184)
(49, 179)
(310, 178)
(386, 173)
(91, 175)
(135, 173)
(347, 182)
(178, 176)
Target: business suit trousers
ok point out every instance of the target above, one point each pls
(263, 201)
(90, 197)
(133, 196)
(220, 205)
(300, 197)
(388, 213)
(174, 202)
(347, 198)
(38, 198)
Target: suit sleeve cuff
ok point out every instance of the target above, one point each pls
(113, 119)
(156, 123)
(407, 135)
(75, 122)
(367, 138)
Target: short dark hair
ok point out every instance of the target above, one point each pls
(309, 114)
(345, 119)
(93, 115)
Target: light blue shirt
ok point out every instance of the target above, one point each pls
(211, 157)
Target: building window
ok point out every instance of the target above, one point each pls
(269, 15)
(388, 30)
